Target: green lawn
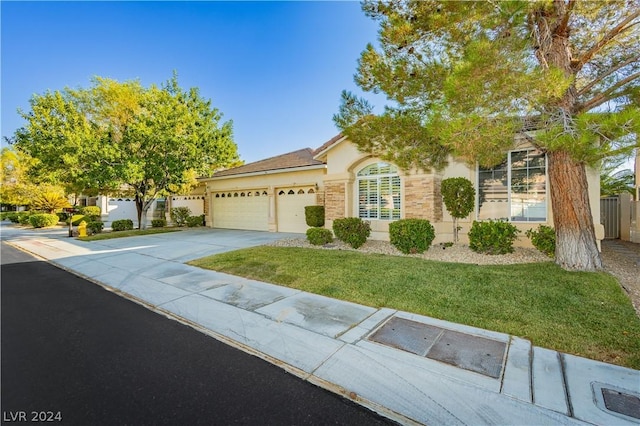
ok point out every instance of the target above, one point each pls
(132, 233)
(586, 314)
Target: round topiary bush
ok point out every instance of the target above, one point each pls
(314, 215)
(544, 239)
(43, 220)
(122, 225)
(319, 236)
(492, 237)
(411, 235)
(352, 230)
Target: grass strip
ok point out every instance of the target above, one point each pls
(581, 313)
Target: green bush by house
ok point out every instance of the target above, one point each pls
(492, 237)
(179, 215)
(43, 220)
(319, 236)
(193, 221)
(95, 227)
(122, 225)
(352, 230)
(314, 216)
(411, 235)
(158, 223)
(92, 211)
(544, 239)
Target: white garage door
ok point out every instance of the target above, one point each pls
(290, 208)
(241, 210)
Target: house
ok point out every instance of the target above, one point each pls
(270, 195)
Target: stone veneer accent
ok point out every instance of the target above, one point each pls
(422, 198)
(334, 200)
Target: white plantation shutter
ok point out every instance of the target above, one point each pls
(379, 192)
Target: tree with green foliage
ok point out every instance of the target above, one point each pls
(459, 198)
(614, 179)
(114, 137)
(15, 187)
(464, 78)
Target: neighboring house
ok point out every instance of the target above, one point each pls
(270, 195)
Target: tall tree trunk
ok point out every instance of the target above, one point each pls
(139, 208)
(576, 246)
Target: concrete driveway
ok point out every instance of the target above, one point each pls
(182, 246)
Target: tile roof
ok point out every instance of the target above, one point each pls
(300, 158)
(328, 143)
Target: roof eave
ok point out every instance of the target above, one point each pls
(264, 172)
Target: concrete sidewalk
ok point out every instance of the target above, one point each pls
(408, 367)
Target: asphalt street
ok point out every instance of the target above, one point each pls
(75, 353)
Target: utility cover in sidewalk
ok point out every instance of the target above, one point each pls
(619, 401)
(479, 354)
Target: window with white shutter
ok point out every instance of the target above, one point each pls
(379, 192)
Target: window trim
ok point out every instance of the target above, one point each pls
(509, 188)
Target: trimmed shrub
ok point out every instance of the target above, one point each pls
(122, 225)
(23, 218)
(544, 239)
(91, 211)
(314, 215)
(411, 235)
(43, 220)
(13, 217)
(95, 227)
(352, 230)
(179, 215)
(158, 223)
(319, 236)
(459, 196)
(492, 237)
(193, 221)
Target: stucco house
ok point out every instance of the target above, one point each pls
(270, 195)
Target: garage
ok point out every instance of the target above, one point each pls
(241, 210)
(290, 204)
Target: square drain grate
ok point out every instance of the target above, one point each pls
(473, 353)
(621, 402)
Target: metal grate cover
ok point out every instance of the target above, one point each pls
(473, 353)
(621, 402)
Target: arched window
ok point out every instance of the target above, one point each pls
(378, 188)
(301, 191)
(281, 192)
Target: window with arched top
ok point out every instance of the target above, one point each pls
(378, 188)
(301, 191)
(281, 192)
(291, 192)
(264, 192)
(311, 191)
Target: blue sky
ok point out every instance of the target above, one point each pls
(275, 68)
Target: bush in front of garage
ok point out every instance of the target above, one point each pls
(319, 236)
(193, 221)
(122, 225)
(180, 215)
(314, 215)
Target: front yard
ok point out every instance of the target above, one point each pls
(585, 314)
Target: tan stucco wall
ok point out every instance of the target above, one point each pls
(269, 182)
(420, 193)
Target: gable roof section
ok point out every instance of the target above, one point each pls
(301, 158)
(319, 153)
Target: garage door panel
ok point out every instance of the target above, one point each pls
(249, 213)
(290, 209)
